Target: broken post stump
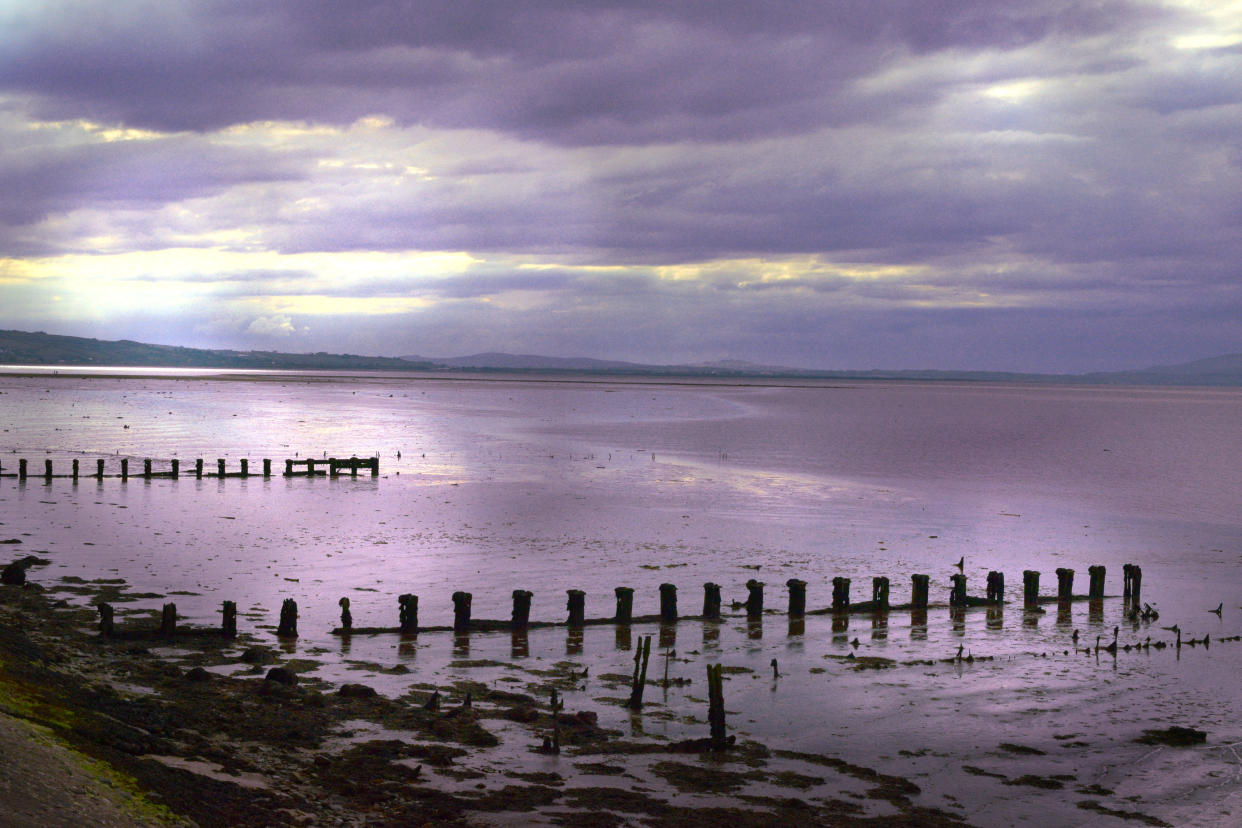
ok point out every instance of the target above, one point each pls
(408, 607)
(754, 599)
(198, 469)
(347, 617)
(879, 592)
(75, 469)
(220, 467)
(168, 620)
(288, 468)
(957, 593)
(228, 621)
(715, 707)
(625, 604)
(576, 606)
(641, 656)
(21, 468)
(521, 608)
(146, 468)
(1065, 584)
(288, 627)
(668, 603)
(99, 469)
(267, 467)
(106, 624)
(1134, 583)
(919, 588)
(245, 467)
(996, 587)
(47, 469)
(711, 600)
(840, 594)
(461, 610)
(797, 597)
(1030, 589)
(176, 467)
(124, 468)
(1095, 582)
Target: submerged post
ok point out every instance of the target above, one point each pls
(840, 594)
(754, 601)
(919, 588)
(957, 593)
(168, 620)
(521, 608)
(408, 606)
(288, 618)
(879, 592)
(797, 597)
(625, 604)
(1065, 584)
(711, 600)
(461, 610)
(1030, 589)
(228, 623)
(1095, 579)
(668, 602)
(576, 606)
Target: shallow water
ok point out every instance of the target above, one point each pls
(549, 486)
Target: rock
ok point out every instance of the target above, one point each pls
(197, 674)
(282, 675)
(356, 691)
(255, 655)
(1173, 736)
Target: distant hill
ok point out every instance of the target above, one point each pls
(23, 348)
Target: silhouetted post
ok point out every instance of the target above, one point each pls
(840, 594)
(408, 606)
(576, 606)
(47, 469)
(715, 707)
(347, 617)
(75, 470)
(1030, 588)
(374, 466)
(124, 468)
(228, 623)
(461, 610)
(1136, 583)
(106, 624)
(99, 468)
(1095, 579)
(168, 620)
(879, 592)
(1065, 584)
(146, 469)
(198, 469)
(641, 656)
(521, 608)
(288, 627)
(288, 468)
(310, 467)
(245, 467)
(1125, 580)
(919, 588)
(957, 594)
(668, 602)
(625, 604)
(996, 587)
(754, 600)
(21, 469)
(176, 467)
(353, 466)
(267, 467)
(711, 600)
(220, 467)
(797, 597)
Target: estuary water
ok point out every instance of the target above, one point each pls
(490, 484)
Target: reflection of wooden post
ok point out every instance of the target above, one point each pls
(754, 600)
(668, 602)
(797, 597)
(1065, 584)
(1095, 577)
(1030, 588)
(711, 600)
(577, 607)
(625, 604)
(840, 594)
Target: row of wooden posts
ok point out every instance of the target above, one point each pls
(332, 466)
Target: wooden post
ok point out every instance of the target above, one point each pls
(21, 469)
(577, 607)
(668, 603)
(715, 707)
(288, 468)
(288, 627)
(641, 656)
(1095, 577)
(334, 467)
(797, 597)
(47, 469)
(461, 610)
(99, 468)
(625, 605)
(347, 617)
(996, 587)
(176, 468)
(124, 468)
(75, 470)
(840, 594)
(711, 600)
(1030, 589)
(1136, 583)
(1065, 584)
(198, 469)
(521, 608)
(408, 605)
(1125, 580)
(374, 466)
(353, 466)
(957, 594)
(245, 467)
(754, 599)
(146, 469)
(168, 621)
(310, 467)
(920, 586)
(220, 467)
(106, 624)
(879, 592)
(267, 467)
(228, 624)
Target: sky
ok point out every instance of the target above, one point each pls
(1037, 185)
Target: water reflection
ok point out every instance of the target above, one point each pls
(711, 634)
(797, 627)
(625, 637)
(918, 625)
(1095, 612)
(957, 619)
(996, 617)
(461, 644)
(573, 641)
(519, 643)
(879, 626)
(754, 628)
(840, 626)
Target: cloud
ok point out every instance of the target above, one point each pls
(269, 326)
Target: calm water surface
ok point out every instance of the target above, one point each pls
(550, 486)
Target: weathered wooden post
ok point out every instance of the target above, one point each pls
(374, 466)
(228, 622)
(577, 607)
(1136, 583)
(267, 467)
(641, 656)
(1030, 589)
(288, 627)
(1125, 580)
(106, 624)
(797, 597)
(754, 600)
(198, 469)
(625, 605)
(310, 467)
(220, 467)
(168, 620)
(1065, 584)
(99, 468)
(288, 468)
(521, 608)
(996, 587)
(668, 603)
(711, 600)
(461, 610)
(1095, 578)
(21, 469)
(347, 617)
(879, 592)
(919, 588)
(353, 466)
(75, 470)
(47, 469)
(840, 594)
(715, 707)
(957, 593)
(176, 468)
(146, 469)
(408, 606)
(245, 467)
(124, 468)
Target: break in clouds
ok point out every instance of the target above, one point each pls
(1028, 186)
